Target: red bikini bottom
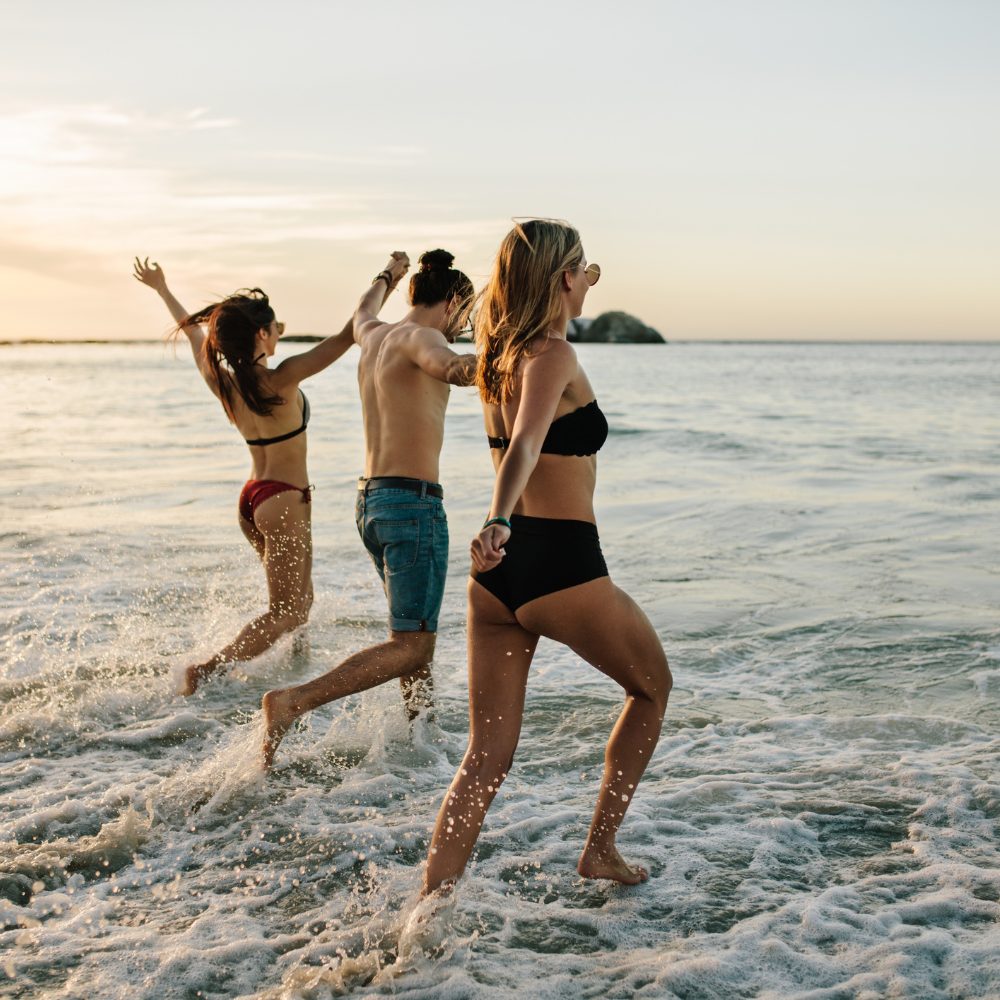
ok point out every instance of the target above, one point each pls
(256, 491)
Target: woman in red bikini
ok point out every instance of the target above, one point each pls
(232, 342)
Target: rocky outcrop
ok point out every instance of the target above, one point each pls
(613, 328)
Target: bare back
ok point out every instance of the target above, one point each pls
(403, 408)
(560, 486)
(284, 461)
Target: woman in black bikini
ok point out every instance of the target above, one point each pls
(538, 567)
(271, 412)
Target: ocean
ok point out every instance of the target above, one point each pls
(813, 530)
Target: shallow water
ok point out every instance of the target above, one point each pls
(812, 530)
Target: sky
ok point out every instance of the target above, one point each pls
(741, 169)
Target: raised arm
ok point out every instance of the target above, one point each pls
(153, 277)
(429, 350)
(325, 353)
(295, 369)
(545, 377)
(366, 314)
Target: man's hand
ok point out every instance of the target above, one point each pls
(399, 264)
(466, 375)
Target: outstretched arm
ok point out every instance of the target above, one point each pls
(152, 276)
(545, 376)
(366, 314)
(428, 349)
(293, 370)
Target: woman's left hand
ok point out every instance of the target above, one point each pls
(487, 547)
(150, 274)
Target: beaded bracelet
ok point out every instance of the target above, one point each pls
(386, 275)
(498, 520)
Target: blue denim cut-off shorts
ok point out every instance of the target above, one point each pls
(406, 535)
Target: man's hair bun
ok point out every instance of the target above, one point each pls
(437, 280)
(436, 260)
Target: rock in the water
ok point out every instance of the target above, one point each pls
(613, 328)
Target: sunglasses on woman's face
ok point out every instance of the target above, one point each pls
(467, 329)
(592, 272)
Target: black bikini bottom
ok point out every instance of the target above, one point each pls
(544, 555)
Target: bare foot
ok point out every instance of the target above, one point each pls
(279, 714)
(611, 865)
(428, 922)
(441, 891)
(192, 677)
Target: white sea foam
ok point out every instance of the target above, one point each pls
(819, 819)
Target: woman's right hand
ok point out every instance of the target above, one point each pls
(488, 547)
(150, 274)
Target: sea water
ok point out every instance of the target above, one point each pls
(813, 530)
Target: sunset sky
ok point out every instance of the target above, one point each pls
(741, 169)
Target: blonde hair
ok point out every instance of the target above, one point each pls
(522, 300)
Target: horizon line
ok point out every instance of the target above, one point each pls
(309, 338)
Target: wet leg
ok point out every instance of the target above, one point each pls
(500, 653)
(404, 653)
(283, 522)
(418, 689)
(604, 626)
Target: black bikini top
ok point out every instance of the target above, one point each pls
(290, 434)
(580, 432)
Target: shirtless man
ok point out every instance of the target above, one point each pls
(404, 374)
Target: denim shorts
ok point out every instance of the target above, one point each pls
(406, 535)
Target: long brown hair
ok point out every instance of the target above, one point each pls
(522, 300)
(230, 344)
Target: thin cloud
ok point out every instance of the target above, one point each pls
(85, 182)
(82, 188)
(379, 156)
